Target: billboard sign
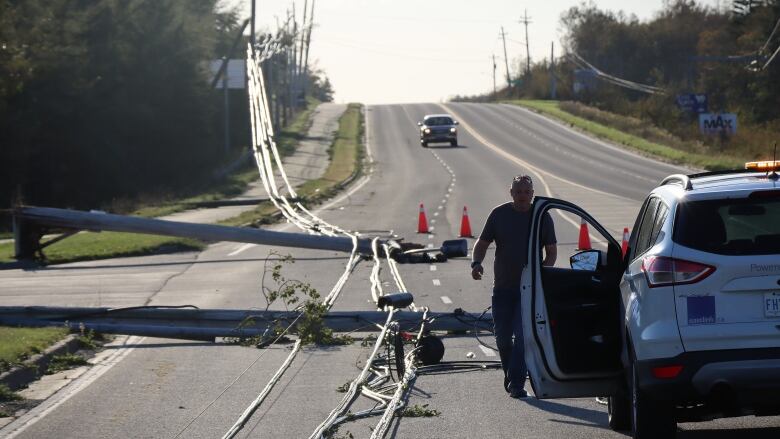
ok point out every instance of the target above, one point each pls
(692, 103)
(718, 123)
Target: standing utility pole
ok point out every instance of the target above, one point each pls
(494, 76)
(526, 20)
(252, 27)
(308, 43)
(303, 38)
(552, 70)
(506, 60)
(227, 105)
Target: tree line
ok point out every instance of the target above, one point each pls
(685, 48)
(111, 99)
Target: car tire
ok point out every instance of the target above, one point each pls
(453, 143)
(649, 418)
(619, 412)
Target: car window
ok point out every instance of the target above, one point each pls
(432, 121)
(745, 226)
(660, 218)
(645, 229)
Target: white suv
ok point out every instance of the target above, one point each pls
(685, 327)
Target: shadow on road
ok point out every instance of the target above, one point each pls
(592, 418)
(36, 267)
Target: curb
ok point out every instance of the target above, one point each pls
(34, 367)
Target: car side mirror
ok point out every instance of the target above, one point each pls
(419, 124)
(587, 260)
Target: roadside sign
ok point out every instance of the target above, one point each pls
(693, 103)
(236, 73)
(718, 123)
(584, 79)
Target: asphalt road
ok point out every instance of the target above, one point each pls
(169, 388)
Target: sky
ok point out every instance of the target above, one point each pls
(405, 51)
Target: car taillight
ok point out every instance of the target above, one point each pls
(667, 371)
(662, 271)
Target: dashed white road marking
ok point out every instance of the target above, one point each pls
(433, 267)
(446, 300)
(437, 282)
(430, 236)
(240, 249)
(433, 221)
(487, 352)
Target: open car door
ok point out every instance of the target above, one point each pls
(571, 317)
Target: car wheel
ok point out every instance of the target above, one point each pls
(453, 143)
(649, 418)
(619, 413)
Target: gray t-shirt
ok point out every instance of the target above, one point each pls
(509, 229)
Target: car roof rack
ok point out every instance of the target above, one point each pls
(720, 172)
(680, 179)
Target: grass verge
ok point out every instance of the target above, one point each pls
(91, 246)
(60, 363)
(636, 142)
(346, 158)
(19, 344)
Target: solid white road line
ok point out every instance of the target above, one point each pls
(488, 352)
(240, 249)
(102, 366)
(446, 300)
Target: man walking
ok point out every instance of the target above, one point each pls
(508, 225)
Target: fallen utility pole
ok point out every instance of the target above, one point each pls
(207, 324)
(29, 223)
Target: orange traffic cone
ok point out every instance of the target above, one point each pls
(465, 225)
(624, 246)
(584, 242)
(422, 222)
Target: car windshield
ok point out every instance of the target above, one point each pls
(748, 226)
(433, 121)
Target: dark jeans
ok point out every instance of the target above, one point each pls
(508, 327)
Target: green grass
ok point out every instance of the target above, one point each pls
(64, 362)
(91, 246)
(664, 152)
(7, 394)
(345, 157)
(232, 186)
(18, 344)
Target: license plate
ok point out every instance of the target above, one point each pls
(772, 304)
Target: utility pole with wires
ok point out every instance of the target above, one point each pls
(506, 59)
(494, 77)
(252, 26)
(525, 21)
(552, 70)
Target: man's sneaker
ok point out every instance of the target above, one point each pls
(518, 394)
